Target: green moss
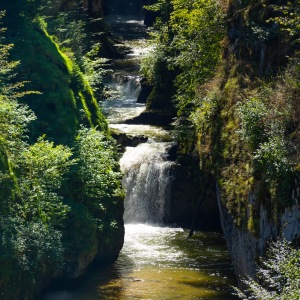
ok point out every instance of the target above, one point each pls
(87, 112)
(64, 91)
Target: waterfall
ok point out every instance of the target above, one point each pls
(147, 177)
(147, 171)
(127, 87)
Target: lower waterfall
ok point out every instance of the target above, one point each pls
(147, 177)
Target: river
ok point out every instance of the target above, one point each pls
(157, 261)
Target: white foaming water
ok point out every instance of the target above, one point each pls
(140, 245)
(147, 177)
(124, 81)
(154, 132)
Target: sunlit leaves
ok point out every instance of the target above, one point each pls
(197, 29)
(42, 170)
(273, 157)
(97, 164)
(278, 274)
(98, 180)
(47, 163)
(288, 18)
(252, 114)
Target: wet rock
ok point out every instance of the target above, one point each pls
(172, 153)
(125, 140)
(156, 118)
(61, 295)
(186, 190)
(146, 89)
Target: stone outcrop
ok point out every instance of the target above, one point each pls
(244, 247)
(186, 192)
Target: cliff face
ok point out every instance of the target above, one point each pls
(242, 116)
(257, 203)
(244, 247)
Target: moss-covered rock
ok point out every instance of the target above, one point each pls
(65, 98)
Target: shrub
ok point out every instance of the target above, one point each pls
(98, 180)
(252, 114)
(28, 250)
(272, 157)
(278, 275)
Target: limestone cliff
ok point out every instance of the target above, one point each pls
(258, 203)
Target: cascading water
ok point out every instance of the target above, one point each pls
(147, 176)
(147, 172)
(157, 262)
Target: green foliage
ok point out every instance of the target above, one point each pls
(278, 275)
(252, 114)
(185, 57)
(288, 18)
(273, 158)
(189, 41)
(70, 30)
(93, 68)
(41, 225)
(30, 246)
(42, 168)
(70, 33)
(151, 65)
(156, 69)
(98, 185)
(29, 251)
(164, 8)
(66, 97)
(197, 30)
(206, 120)
(248, 129)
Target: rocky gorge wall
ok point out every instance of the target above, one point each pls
(244, 247)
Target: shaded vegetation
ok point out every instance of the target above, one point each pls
(61, 198)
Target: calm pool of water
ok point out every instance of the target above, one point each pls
(161, 263)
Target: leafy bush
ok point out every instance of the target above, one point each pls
(252, 114)
(188, 43)
(42, 168)
(98, 183)
(197, 30)
(29, 250)
(41, 226)
(273, 158)
(288, 18)
(278, 275)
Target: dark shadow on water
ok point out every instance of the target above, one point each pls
(98, 283)
(127, 27)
